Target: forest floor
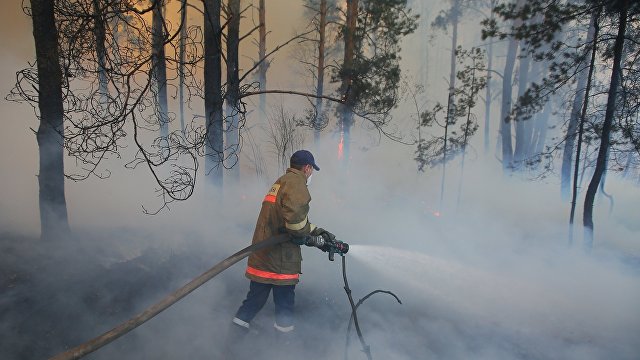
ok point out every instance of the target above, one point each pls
(56, 294)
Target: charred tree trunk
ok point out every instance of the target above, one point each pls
(603, 151)
(99, 33)
(181, 65)
(213, 93)
(320, 69)
(53, 206)
(233, 91)
(346, 110)
(159, 66)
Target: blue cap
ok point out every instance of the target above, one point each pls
(303, 157)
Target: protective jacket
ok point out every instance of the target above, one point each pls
(285, 208)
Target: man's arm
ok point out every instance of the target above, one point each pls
(295, 209)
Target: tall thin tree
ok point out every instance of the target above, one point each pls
(213, 99)
(159, 66)
(232, 147)
(594, 29)
(603, 151)
(507, 94)
(53, 206)
(181, 59)
(488, 94)
(454, 19)
(574, 119)
(346, 110)
(262, 53)
(99, 31)
(322, 27)
(522, 125)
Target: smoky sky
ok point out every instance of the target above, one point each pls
(487, 275)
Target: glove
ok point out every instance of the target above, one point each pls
(327, 242)
(316, 240)
(320, 231)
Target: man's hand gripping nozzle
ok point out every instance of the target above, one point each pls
(327, 242)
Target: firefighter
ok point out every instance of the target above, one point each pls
(285, 209)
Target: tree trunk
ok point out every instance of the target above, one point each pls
(629, 165)
(53, 206)
(99, 33)
(505, 109)
(182, 50)
(450, 120)
(262, 53)
(540, 131)
(159, 66)
(535, 123)
(523, 133)
(346, 110)
(465, 139)
(425, 46)
(320, 69)
(213, 93)
(569, 144)
(616, 75)
(488, 95)
(232, 147)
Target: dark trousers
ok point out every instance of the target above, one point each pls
(283, 297)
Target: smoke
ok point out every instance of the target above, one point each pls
(491, 277)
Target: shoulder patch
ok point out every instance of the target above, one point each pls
(273, 192)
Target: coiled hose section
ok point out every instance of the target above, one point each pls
(354, 312)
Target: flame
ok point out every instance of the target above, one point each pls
(436, 213)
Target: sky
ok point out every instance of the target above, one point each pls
(490, 278)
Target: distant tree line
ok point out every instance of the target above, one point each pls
(568, 95)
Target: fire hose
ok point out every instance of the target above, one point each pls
(125, 327)
(111, 335)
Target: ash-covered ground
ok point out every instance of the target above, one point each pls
(57, 295)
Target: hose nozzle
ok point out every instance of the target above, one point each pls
(339, 247)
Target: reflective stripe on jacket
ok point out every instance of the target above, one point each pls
(284, 208)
